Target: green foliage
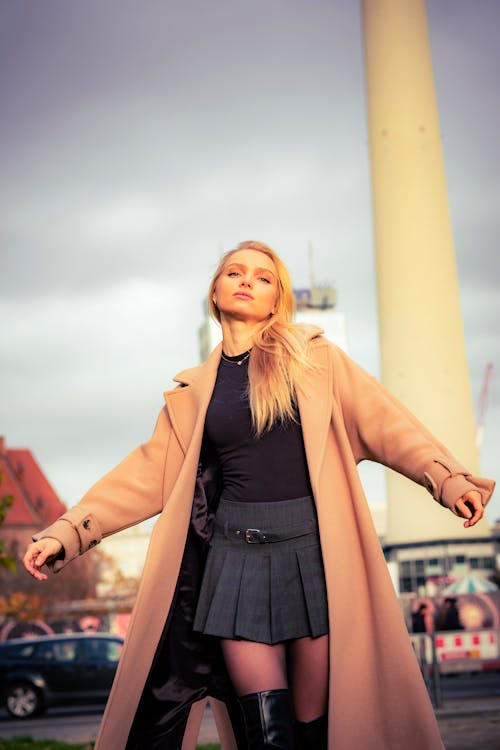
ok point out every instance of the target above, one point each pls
(6, 561)
(28, 743)
(5, 503)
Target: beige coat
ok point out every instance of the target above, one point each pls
(377, 699)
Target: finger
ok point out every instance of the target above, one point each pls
(33, 561)
(41, 558)
(472, 501)
(462, 509)
(475, 517)
(473, 496)
(39, 575)
(35, 572)
(28, 559)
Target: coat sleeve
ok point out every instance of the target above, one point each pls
(381, 429)
(128, 494)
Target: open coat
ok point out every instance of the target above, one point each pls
(377, 698)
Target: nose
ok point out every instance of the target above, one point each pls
(246, 280)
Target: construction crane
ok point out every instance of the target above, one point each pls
(483, 402)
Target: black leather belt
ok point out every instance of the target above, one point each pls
(256, 536)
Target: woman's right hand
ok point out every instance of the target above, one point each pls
(37, 555)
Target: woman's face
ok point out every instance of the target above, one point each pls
(247, 287)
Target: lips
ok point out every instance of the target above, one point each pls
(242, 295)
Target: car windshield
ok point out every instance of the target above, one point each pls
(21, 651)
(66, 650)
(103, 650)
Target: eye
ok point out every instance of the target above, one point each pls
(264, 278)
(233, 273)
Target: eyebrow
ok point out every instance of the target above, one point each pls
(258, 270)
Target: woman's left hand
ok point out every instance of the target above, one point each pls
(470, 507)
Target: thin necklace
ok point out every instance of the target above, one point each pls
(234, 360)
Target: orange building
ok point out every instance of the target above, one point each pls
(36, 503)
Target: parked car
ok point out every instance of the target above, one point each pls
(56, 670)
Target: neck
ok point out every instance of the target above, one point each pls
(237, 336)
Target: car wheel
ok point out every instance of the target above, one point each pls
(23, 700)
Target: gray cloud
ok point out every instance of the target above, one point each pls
(138, 143)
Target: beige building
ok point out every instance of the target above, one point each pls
(127, 552)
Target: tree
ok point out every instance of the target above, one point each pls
(7, 560)
(23, 598)
(21, 607)
(78, 581)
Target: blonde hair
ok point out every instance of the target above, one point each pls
(279, 360)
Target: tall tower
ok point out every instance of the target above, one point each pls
(423, 353)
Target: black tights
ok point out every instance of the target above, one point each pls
(301, 665)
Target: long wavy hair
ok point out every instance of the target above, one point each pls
(279, 361)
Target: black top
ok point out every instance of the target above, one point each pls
(272, 467)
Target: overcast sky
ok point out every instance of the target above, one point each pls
(139, 140)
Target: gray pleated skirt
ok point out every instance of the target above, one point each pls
(264, 579)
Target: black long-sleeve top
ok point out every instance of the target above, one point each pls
(271, 467)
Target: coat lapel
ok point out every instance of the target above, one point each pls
(189, 402)
(315, 408)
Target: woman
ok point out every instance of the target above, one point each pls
(237, 473)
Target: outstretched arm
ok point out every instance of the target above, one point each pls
(381, 429)
(133, 491)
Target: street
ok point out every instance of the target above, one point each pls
(73, 725)
(468, 718)
(470, 686)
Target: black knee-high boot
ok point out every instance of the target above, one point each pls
(237, 722)
(268, 720)
(312, 735)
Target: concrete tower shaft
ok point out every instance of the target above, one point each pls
(423, 353)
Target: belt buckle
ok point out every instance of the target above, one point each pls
(253, 536)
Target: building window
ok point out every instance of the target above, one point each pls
(482, 563)
(413, 574)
